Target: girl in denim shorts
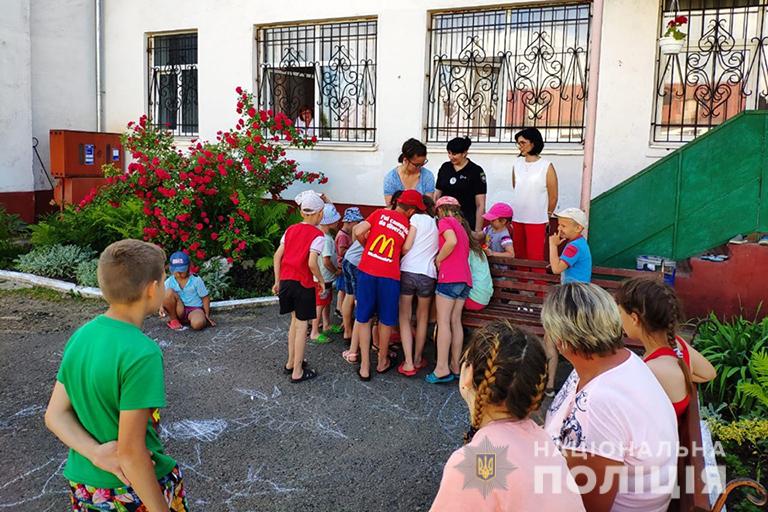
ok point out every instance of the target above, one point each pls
(454, 280)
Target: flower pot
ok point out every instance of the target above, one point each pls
(671, 46)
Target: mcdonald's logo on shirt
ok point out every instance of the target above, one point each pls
(383, 242)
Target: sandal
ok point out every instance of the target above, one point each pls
(390, 364)
(364, 379)
(322, 339)
(175, 325)
(434, 379)
(307, 375)
(421, 364)
(350, 357)
(407, 373)
(288, 371)
(549, 392)
(334, 329)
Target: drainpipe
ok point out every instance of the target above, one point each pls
(99, 88)
(589, 136)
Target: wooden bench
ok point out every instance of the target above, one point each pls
(518, 295)
(518, 292)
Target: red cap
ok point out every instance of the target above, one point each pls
(412, 198)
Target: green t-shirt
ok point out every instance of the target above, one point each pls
(110, 366)
(482, 285)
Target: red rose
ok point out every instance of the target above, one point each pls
(200, 254)
(239, 90)
(252, 112)
(249, 149)
(314, 139)
(194, 246)
(186, 201)
(263, 159)
(199, 226)
(214, 236)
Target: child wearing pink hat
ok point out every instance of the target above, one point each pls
(498, 241)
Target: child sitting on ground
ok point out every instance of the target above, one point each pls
(296, 261)
(575, 263)
(186, 297)
(109, 383)
(497, 241)
(330, 272)
(352, 217)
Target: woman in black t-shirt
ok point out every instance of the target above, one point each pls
(463, 179)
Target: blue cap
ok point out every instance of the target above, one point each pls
(353, 214)
(330, 214)
(179, 262)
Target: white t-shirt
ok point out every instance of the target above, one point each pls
(421, 258)
(624, 415)
(329, 249)
(530, 199)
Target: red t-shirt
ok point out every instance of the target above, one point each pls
(295, 263)
(381, 257)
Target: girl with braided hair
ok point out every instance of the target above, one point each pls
(650, 313)
(503, 375)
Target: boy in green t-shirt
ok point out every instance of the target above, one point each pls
(108, 387)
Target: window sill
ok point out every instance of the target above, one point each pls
(511, 149)
(341, 146)
(660, 149)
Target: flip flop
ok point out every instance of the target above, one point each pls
(288, 371)
(334, 329)
(307, 375)
(434, 379)
(349, 356)
(175, 325)
(320, 340)
(364, 379)
(390, 364)
(407, 373)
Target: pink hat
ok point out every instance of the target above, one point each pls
(499, 211)
(446, 200)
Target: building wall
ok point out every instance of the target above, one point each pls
(63, 72)
(15, 99)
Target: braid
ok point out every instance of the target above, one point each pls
(485, 387)
(674, 306)
(539, 396)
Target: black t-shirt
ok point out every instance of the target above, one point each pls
(464, 185)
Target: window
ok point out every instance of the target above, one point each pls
(494, 72)
(323, 76)
(721, 70)
(172, 95)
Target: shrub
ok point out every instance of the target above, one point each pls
(56, 261)
(209, 201)
(85, 273)
(214, 274)
(729, 346)
(96, 226)
(11, 224)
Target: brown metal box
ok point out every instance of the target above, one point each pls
(73, 190)
(77, 154)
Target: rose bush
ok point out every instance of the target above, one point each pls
(210, 200)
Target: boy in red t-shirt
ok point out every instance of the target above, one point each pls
(382, 234)
(296, 261)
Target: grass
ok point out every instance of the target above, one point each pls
(46, 294)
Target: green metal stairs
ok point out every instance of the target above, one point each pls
(692, 200)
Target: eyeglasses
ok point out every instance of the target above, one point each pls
(418, 166)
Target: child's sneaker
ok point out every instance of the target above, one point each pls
(738, 240)
(175, 325)
(763, 240)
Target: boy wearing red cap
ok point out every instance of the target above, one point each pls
(382, 234)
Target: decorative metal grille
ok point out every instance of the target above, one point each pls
(494, 72)
(328, 69)
(721, 70)
(172, 94)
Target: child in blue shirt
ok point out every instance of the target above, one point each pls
(186, 297)
(575, 263)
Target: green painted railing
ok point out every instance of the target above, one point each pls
(692, 200)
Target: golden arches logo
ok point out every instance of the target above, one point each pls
(383, 242)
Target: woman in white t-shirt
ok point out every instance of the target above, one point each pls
(534, 198)
(611, 419)
(418, 276)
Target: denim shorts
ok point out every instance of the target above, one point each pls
(350, 277)
(453, 290)
(416, 284)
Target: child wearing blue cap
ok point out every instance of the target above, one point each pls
(352, 217)
(186, 297)
(330, 272)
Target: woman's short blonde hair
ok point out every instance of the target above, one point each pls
(584, 318)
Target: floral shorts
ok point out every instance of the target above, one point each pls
(125, 499)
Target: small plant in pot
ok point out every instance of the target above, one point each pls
(673, 40)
